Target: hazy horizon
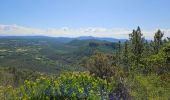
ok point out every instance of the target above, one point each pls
(119, 33)
(62, 18)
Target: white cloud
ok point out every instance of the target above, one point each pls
(15, 30)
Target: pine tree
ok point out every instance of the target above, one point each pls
(119, 53)
(137, 45)
(126, 56)
(147, 49)
(158, 41)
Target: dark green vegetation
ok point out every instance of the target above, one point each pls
(136, 69)
(49, 55)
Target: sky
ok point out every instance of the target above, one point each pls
(72, 18)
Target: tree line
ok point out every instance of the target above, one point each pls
(139, 69)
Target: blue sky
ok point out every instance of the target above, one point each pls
(76, 14)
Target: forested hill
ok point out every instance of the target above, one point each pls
(63, 39)
(86, 69)
(48, 54)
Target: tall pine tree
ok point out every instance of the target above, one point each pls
(137, 45)
(158, 40)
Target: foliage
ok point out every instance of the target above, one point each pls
(158, 40)
(149, 87)
(136, 46)
(101, 65)
(47, 55)
(136, 69)
(159, 63)
(16, 77)
(67, 86)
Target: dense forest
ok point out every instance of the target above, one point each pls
(88, 69)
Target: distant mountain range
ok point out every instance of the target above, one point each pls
(65, 39)
(102, 39)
